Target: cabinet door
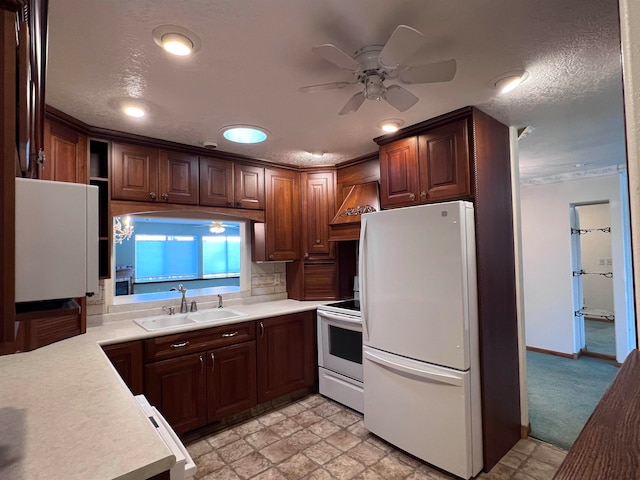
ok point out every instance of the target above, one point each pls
(178, 388)
(444, 163)
(134, 173)
(127, 360)
(286, 355)
(318, 207)
(66, 155)
(282, 215)
(178, 178)
(232, 380)
(399, 173)
(249, 187)
(216, 182)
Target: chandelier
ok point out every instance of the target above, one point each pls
(122, 232)
(216, 227)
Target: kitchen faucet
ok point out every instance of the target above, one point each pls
(183, 303)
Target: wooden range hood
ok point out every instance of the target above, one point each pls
(362, 198)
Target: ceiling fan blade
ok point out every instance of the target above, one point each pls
(403, 43)
(430, 73)
(353, 104)
(324, 86)
(400, 98)
(336, 56)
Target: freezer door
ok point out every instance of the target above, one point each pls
(424, 410)
(417, 282)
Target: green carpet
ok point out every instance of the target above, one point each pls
(563, 393)
(600, 337)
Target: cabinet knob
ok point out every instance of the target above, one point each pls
(306, 255)
(271, 257)
(238, 204)
(412, 196)
(165, 197)
(423, 195)
(229, 204)
(317, 241)
(152, 195)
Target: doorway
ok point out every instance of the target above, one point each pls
(593, 280)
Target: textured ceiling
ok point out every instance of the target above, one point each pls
(256, 54)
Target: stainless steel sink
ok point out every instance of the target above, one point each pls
(215, 314)
(164, 322)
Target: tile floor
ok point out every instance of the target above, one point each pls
(316, 438)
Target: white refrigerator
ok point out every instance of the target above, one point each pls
(418, 300)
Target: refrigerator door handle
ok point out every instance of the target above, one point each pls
(362, 277)
(380, 359)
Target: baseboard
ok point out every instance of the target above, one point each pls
(602, 356)
(525, 430)
(573, 356)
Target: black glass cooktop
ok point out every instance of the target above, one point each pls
(347, 304)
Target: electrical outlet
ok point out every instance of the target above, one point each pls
(608, 261)
(601, 261)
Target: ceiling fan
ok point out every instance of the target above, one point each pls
(374, 64)
(217, 227)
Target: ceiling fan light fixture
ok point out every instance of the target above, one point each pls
(176, 40)
(508, 81)
(391, 125)
(244, 133)
(217, 228)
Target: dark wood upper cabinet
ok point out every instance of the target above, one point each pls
(178, 181)
(224, 183)
(146, 174)
(278, 238)
(443, 156)
(318, 208)
(134, 172)
(216, 182)
(399, 172)
(249, 186)
(66, 155)
(431, 167)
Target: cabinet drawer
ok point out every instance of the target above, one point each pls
(170, 346)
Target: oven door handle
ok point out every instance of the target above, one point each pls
(340, 318)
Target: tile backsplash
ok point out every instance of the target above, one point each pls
(268, 278)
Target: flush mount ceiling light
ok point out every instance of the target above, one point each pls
(176, 40)
(391, 125)
(134, 108)
(244, 133)
(508, 81)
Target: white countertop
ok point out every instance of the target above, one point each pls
(66, 414)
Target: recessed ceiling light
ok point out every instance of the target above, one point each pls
(508, 81)
(580, 165)
(244, 133)
(177, 44)
(176, 40)
(391, 125)
(317, 153)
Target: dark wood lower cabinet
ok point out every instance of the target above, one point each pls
(286, 355)
(231, 386)
(178, 388)
(127, 360)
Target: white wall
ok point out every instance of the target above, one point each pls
(546, 246)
